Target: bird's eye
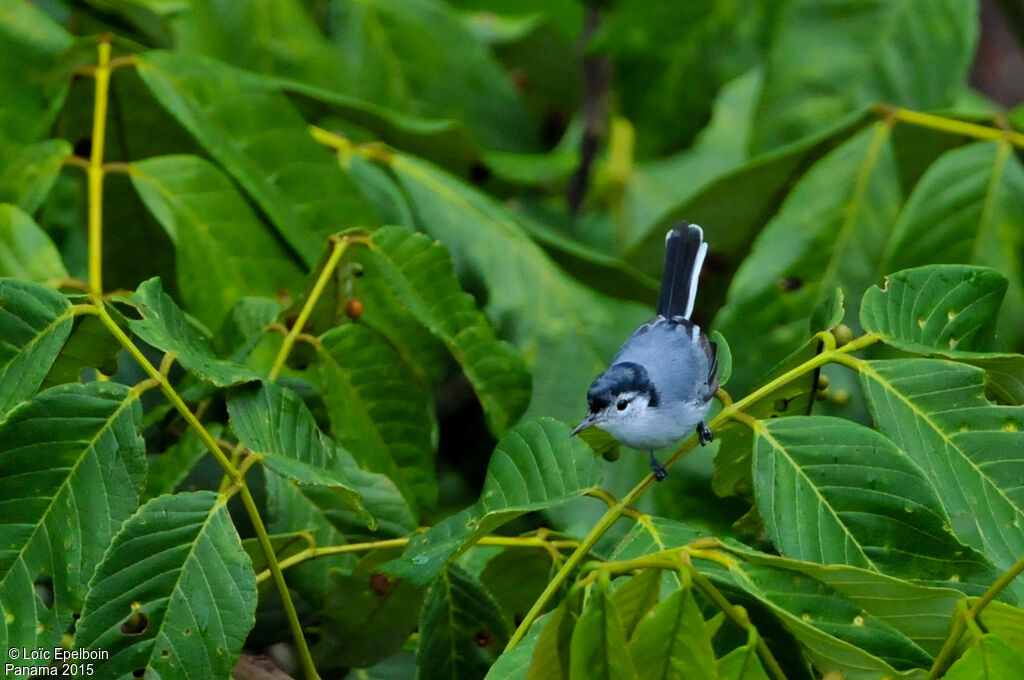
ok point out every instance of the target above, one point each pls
(623, 403)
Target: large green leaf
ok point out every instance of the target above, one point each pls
(379, 411)
(222, 250)
(949, 311)
(33, 92)
(28, 177)
(462, 630)
(391, 61)
(566, 331)
(835, 492)
(972, 450)
(598, 648)
(261, 140)
(969, 208)
(672, 642)
(166, 327)
(175, 594)
(830, 232)
(275, 424)
(71, 465)
(26, 252)
(35, 321)
(419, 272)
(830, 58)
(270, 419)
(535, 466)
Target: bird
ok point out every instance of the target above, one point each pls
(660, 384)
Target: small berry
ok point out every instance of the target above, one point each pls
(354, 308)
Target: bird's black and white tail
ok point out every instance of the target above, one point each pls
(684, 256)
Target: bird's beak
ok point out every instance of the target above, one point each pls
(587, 422)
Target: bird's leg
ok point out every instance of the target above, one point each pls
(659, 470)
(704, 433)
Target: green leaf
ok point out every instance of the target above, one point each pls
(672, 642)
(261, 140)
(935, 309)
(534, 467)
(830, 232)
(830, 59)
(829, 610)
(26, 252)
(1003, 620)
(462, 630)
(420, 274)
(28, 177)
(275, 424)
(170, 468)
(382, 48)
(635, 598)
(367, 616)
(829, 312)
(835, 492)
(516, 578)
(947, 311)
(515, 664)
(222, 249)
(166, 327)
(35, 321)
(741, 664)
(90, 345)
(71, 465)
(989, 658)
(33, 91)
(566, 331)
(379, 410)
(968, 208)
(175, 592)
(698, 187)
(244, 327)
(550, 659)
(937, 413)
(598, 650)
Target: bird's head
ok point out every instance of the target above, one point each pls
(618, 395)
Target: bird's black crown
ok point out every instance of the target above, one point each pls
(619, 379)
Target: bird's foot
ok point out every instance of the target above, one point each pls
(657, 468)
(704, 433)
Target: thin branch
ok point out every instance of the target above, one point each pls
(99, 130)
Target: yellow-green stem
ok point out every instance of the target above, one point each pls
(308, 668)
(232, 472)
(99, 128)
(340, 244)
(951, 125)
(614, 512)
(330, 550)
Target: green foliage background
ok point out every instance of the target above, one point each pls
(299, 300)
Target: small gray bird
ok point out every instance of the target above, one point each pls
(660, 384)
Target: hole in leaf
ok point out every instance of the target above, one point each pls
(44, 591)
(186, 632)
(791, 284)
(164, 653)
(920, 321)
(951, 314)
(138, 672)
(136, 624)
(478, 172)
